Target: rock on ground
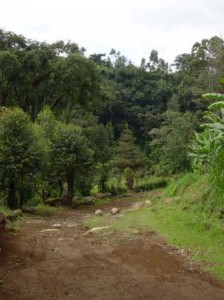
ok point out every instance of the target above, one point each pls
(137, 205)
(57, 226)
(103, 195)
(98, 213)
(29, 209)
(96, 229)
(17, 212)
(115, 211)
(148, 203)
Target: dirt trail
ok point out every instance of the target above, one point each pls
(67, 265)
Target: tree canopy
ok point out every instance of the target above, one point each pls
(67, 121)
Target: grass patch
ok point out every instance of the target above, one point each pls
(45, 210)
(179, 186)
(101, 202)
(184, 222)
(6, 211)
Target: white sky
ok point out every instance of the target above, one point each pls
(134, 27)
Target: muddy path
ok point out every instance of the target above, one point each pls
(65, 264)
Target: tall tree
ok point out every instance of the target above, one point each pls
(19, 155)
(71, 154)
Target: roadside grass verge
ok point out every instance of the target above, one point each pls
(182, 217)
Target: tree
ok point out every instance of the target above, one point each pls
(207, 145)
(207, 148)
(46, 179)
(19, 156)
(128, 156)
(101, 140)
(73, 81)
(169, 145)
(34, 74)
(70, 154)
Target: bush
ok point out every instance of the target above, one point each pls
(34, 201)
(116, 190)
(151, 185)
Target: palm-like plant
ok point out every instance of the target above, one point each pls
(207, 144)
(203, 148)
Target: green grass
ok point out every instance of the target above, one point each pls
(101, 202)
(6, 211)
(15, 223)
(184, 222)
(45, 210)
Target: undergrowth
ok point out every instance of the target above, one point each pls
(6, 211)
(45, 210)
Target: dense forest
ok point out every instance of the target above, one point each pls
(70, 123)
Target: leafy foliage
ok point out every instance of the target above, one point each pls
(79, 121)
(19, 154)
(170, 143)
(127, 153)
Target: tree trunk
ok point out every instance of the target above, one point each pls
(70, 183)
(60, 184)
(12, 200)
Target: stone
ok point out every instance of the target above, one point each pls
(29, 209)
(79, 201)
(72, 225)
(57, 226)
(89, 200)
(98, 213)
(137, 205)
(103, 195)
(1, 282)
(96, 229)
(17, 212)
(50, 230)
(148, 203)
(115, 210)
(56, 202)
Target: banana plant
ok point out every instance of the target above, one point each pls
(207, 144)
(204, 147)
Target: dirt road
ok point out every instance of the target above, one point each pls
(65, 264)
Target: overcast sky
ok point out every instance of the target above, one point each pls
(134, 27)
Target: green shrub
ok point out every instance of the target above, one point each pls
(151, 185)
(116, 190)
(34, 201)
(6, 211)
